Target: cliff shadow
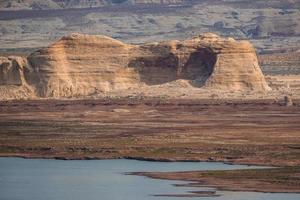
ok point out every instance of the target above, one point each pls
(159, 69)
(199, 67)
(156, 69)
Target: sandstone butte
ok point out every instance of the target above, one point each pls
(81, 65)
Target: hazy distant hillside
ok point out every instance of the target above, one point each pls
(272, 25)
(62, 4)
(27, 4)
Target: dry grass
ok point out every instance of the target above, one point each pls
(252, 133)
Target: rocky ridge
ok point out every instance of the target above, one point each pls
(81, 65)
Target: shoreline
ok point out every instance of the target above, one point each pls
(192, 179)
(137, 159)
(260, 132)
(235, 180)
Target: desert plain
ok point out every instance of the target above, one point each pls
(157, 87)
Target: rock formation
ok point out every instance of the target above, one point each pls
(83, 65)
(11, 70)
(13, 83)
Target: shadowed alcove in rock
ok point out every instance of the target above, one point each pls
(196, 67)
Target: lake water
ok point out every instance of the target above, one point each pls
(42, 179)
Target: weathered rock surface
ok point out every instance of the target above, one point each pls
(13, 83)
(83, 65)
(11, 70)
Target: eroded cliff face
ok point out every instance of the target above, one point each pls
(13, 73)
(80, 65)
(83, 65)
(11, 70)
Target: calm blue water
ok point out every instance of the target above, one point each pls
(39, 179)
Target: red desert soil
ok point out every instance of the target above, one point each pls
(262, 133)
(247, 132)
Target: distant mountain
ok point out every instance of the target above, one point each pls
(62, 4)
(272, 25)
(27, 4)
